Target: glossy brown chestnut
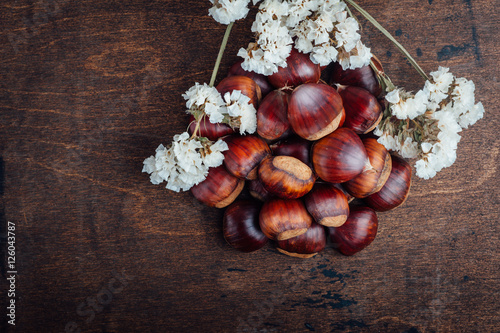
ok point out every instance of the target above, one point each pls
(241, 226)
(395, 190)
(300, 69)
(294, 146)
(246, 85)
(272, 118)
(219, 189)
(261, 80)
(244, 155)
(314, 110)
(328, 205)
(306, 245)
(281, 219)
(363, 77)
(286, 177)
(341, 188)
(371, 180)
(209, 130)
(258, 191)
(340, 156)
(362, 109)
(357, 232)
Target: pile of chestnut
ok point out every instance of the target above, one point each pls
(314, 170)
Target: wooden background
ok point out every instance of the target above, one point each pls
(89, 89)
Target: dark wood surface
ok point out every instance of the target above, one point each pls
(88, 90)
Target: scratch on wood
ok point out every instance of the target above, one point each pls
(94, 181)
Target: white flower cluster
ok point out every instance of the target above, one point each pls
(185, 163)
(234, 109)
(438, 112)
(273, 42)
(242, 113)
(227, 11)
(321, 28)
(205, 99)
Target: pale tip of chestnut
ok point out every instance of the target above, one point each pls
(375, 124)
(294, 166)
(227, 201)
(333, 221)
(291, 233)
(384, 175)
(286, 176)
(328, 129)
(297, 255)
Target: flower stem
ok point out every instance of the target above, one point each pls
(221, 52)
(388, 35)
(214, 73)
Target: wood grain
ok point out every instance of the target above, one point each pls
(89, 89)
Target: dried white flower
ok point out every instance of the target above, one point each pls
(203, 98)
(471, 116)
(388, 141)
(404, 105)
(324, 54)
(227, 11)
(362, 57)
(409, 148)
(185, 163)
(242, 112)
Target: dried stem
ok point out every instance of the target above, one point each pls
(391, 38)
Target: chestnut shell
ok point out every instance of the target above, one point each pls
(272, 118)
(314, 110)
(327, 204)
(294, 146)
(395, 190)
(281, 219)
(219, 189)
(300, 69)
(306, 245)
(209, 130)
(371, 180)
(261, 80)
(244, 155)
(362, 110)
(246, 85)
(286, 177)
(241, 226)
(340, 156)
(363, 77)
(357, 232)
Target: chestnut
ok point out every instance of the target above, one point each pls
(340, 156)
(328, 205)
(306, 245)
(261, 80)
(371, 180)
(244, 155)
(363, 77)
(241, 226)
(395, 190)
(272, 119)
(209, 130)
(314, 110)
(219, 189)
(286, 176)
(258, 191)
(294, 146)
(362, 110)
(281, 219)
(246, 85)
(357, 232)
(299, 69)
